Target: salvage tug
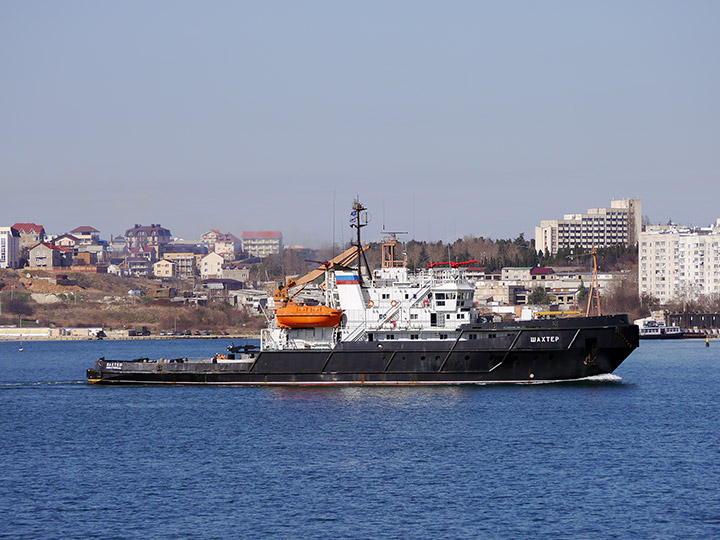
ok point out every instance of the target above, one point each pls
(393, 327)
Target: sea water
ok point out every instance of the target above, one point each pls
(636, 455)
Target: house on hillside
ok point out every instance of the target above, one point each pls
(145, 252)
(540, 273)
(210, 237)
(211, 266)
(187, 256)
(236, 271)
(227, 245)
(86, 234)
(117, 245)
(116, 270)
(31, 234)
(48, 256)
(137, 266)
(164, 269)
(67, 241)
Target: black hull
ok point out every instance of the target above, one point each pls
(544, 351)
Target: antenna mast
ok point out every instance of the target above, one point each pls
(359, 219)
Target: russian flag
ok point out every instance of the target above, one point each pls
(347, 280)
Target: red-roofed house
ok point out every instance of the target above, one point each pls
(261, 243)
(210, 237)
(30, 234)
(227, 244)
(86, 234)
(540, 272)
(49, 256)
(224, 244)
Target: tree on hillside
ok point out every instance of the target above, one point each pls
(540, 296)
(17, 305)
(582, 294)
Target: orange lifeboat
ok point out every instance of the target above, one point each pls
(302, 316)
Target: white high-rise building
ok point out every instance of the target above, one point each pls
(676, 263)
(600, 227)
(9, 247)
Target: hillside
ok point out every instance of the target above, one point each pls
(103, 300)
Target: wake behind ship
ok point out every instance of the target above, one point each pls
(391, 327)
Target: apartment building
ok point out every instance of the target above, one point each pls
(185, 263)
(262, 243)
(9, 247)
(679, 262)
(600, 227)
(153, 235)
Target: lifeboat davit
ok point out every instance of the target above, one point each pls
(302, 316)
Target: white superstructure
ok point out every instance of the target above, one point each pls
(393, 305)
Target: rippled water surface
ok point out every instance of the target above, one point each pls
(635, 457)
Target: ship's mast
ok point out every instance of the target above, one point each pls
(595, 287)
(359, 219)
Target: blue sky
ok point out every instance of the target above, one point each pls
(446, 118)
